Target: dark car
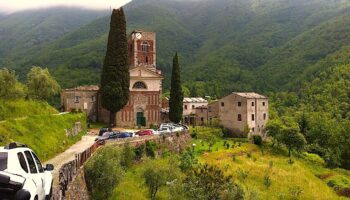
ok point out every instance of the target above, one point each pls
(107, 136)
(104, 130)
(144, 132)
(124, 135)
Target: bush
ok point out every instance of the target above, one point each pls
(151, 149)
(139, 151)
(127, 157)
(257, 140)
(267, 180)
(103, 172)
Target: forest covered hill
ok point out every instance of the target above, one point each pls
(224, 45)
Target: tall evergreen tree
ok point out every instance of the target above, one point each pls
(176, 94)
(115, 78)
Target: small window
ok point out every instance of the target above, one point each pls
(193, 107)
(145, 46)
(93, 98)
(252, 103)
(239, 117)
(239, 104)
(253, 129)
(76, 99)
(22, 162)
(3, 161)
(185, 107)
(202, 119)
(38, 163)
(253, 117)
(222, 104)
(139, 85)
(31, 163)
(264, 116)
(263, 103)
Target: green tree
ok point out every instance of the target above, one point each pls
(41, 85)
(176, 93)
(157, 174)
(115, 78)
(103, 172)
(10, 88)
(274, 129)
(186, 91)
(293, 139)
(188, 160)
(210, 183)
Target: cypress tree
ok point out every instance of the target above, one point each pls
(115, 78)
(176, 94)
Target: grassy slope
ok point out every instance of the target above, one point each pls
(45, 134)
(22, 108)
(33, 123)
(286, 179)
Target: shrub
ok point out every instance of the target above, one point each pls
(227, 146)
(242, 174)
(194, 135)
(103, 172)
(295, 192)
(267, 180)
(188, 160)
(139, 151)
(151, 149)
(128, 156)
(257, 140)
(208, 182)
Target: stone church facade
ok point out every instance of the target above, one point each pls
(144, 105)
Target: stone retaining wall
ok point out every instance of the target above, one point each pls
(72, 179)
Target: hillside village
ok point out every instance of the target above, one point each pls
(146, 105)
(147, 129)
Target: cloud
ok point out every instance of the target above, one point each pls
(10, 6)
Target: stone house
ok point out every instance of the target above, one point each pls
(189, 109)
(213, 112)
(83, 98)
(144, 105)
(239, 111)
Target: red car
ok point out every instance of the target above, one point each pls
(144, 132)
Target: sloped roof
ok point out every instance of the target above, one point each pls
(84, 88)
(250, 95)
(194, 100)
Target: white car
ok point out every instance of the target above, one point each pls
(22, 175)
(163, 130)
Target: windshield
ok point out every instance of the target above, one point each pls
(3, 161)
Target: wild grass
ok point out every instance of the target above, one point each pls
(24, 108)
(45, 134)
(286, 181)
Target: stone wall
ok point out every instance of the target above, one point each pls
(174, 142)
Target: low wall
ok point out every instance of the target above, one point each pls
(76, 189)
(69, 172)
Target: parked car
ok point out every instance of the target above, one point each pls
(164, 130)
(124, 135)
(21, 174)
(107, 136)
(144, 132)
(104, 130)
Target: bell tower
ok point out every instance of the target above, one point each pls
(142, 49)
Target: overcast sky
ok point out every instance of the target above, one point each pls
(10, 6)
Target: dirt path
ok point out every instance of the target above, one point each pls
(69, 155)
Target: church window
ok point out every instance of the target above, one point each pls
(139, 85)
(145, 46)
(76, 99)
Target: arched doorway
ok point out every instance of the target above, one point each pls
(140, 118)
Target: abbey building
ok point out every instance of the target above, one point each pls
(144, 104)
